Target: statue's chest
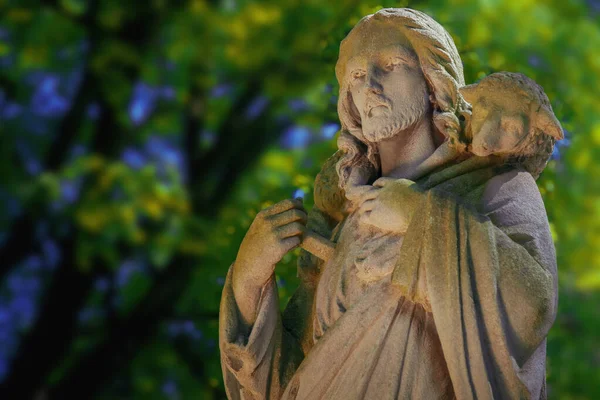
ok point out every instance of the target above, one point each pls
(365, 257)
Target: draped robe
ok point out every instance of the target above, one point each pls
(458, 307)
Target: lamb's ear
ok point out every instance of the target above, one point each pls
(468, 92)
(547, 122)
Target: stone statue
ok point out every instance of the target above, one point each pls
(433, 272)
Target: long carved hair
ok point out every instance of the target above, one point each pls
(443, 71)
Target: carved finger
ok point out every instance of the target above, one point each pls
(367, 205)
(354, 193)
(360, 189)
(289, 216)
(381, 182)
(369, 194)
(295, 228)
(284, 206)
(291, 242)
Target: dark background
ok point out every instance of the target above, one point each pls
(139, 139)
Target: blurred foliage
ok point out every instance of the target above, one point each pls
(139, 139)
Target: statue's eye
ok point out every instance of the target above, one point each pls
(394, 63)
(479, 113)
(358, 74)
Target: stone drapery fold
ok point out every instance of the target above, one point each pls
(476, 278)
(489, 278)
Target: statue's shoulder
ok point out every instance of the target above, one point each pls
(515, 188)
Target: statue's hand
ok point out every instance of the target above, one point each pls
(274, 232)
(390, 204)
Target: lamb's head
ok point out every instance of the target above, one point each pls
(512, 117)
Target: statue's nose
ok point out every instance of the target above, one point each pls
(374, 86)
(372, 81)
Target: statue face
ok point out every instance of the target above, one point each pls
(497, 133)
(499, 122)
(385, 80)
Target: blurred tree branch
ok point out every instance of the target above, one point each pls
(194, 123)
(50, 337)
(53, 330)
(87, 19)
(195, 364)
(245, 146)
(136, 32)
(128, 336)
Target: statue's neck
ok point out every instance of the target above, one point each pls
(401, 155)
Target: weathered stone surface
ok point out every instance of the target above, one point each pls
(433, 273)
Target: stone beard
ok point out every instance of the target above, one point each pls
(403, 116)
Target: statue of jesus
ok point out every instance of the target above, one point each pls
(441, 282)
